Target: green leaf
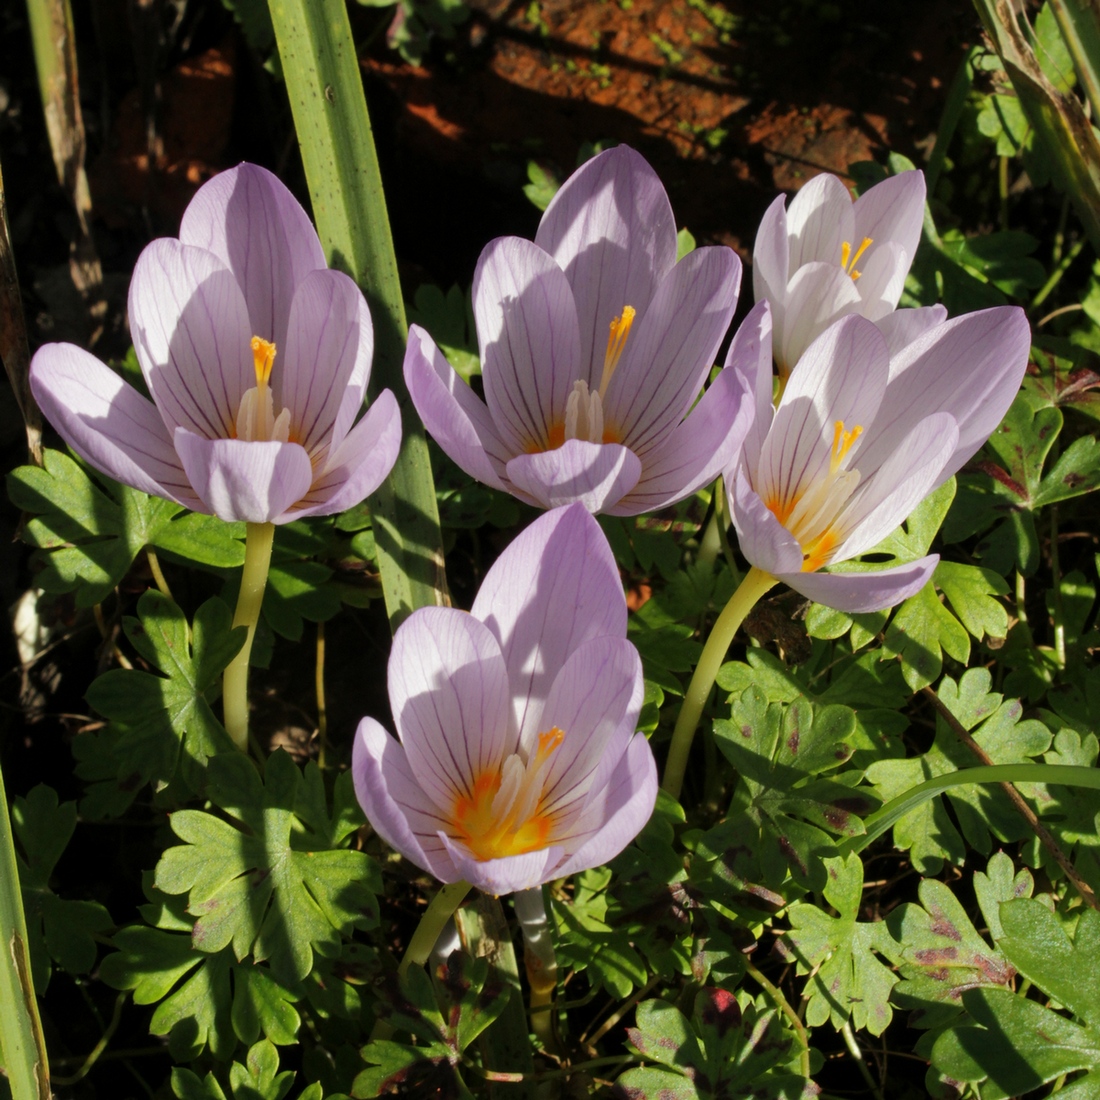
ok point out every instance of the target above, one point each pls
(163, 723)
(1036, 942)
(970, 591)
(727, 1049)
(325, 88)
(1019, 1045)
(921, 631)
(88, 537)
(542, 185)
(938, 951)
(448, 319)
(848, 979)
(57, 929)
(928, 832)
(780, 751)
(261, 881)
(259, 1077)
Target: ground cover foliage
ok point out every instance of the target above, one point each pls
(768, 934)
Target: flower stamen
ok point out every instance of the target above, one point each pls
(501, 816)
(256, 420)
(848, 261)
(616, 341)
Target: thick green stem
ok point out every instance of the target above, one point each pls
(440, 910)
(744, 599)
(21, 1039)
(432, 923)
(257, 559)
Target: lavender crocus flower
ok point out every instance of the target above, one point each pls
(517, 761)
(257, 358)
(594, 344)
(826, 257)
(860, 437)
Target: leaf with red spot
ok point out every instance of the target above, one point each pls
(782, 753)
(939, 952)
(728, 1049)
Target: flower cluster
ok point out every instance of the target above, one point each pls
(518, 759)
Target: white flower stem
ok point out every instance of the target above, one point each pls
(755, 585)
(540, 963)
(257, 559)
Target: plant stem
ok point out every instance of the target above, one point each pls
(857, 1054)
(158, 573)
(440, 910)
(21, 1040)
(319, 688)
(257, 559)
(784, 1006)
(540, 963)
(744, 599)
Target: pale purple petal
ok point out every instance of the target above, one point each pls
(841, 378)
(971, 367)
(321, 371)
(859, 593)
(555, 587)
(819, 294)
(617, 812)
(888, 494)
(530, 348)
(595, 701)
(108, 423)
(247, 218)
(455, 417)
(771, 255)
(892, 210)
(819, 221)
(610, 229)
(882, 279)
(507, 875)
(695, 452)
(750, 355)
(395, 804)
(192, 337)
(358, 466)
(596, 475)
(239, 480)
(450, 697)
(903, 326)
(672, 347)
(764, 541)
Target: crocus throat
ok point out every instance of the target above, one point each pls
(256, 420)
(502, 813)
(811, 516)
(584, 408)
(848, 261)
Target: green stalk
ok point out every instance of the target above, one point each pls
(886, 817)
(432, 923)
(743, 600)
(334, 133)
(21, 1039)
(1060, 122)
(257, 559)
(1079, 22)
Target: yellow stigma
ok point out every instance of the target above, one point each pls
(848, 261)
(502, 814)
(842, 444)
(616, 341)
(263, 356)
